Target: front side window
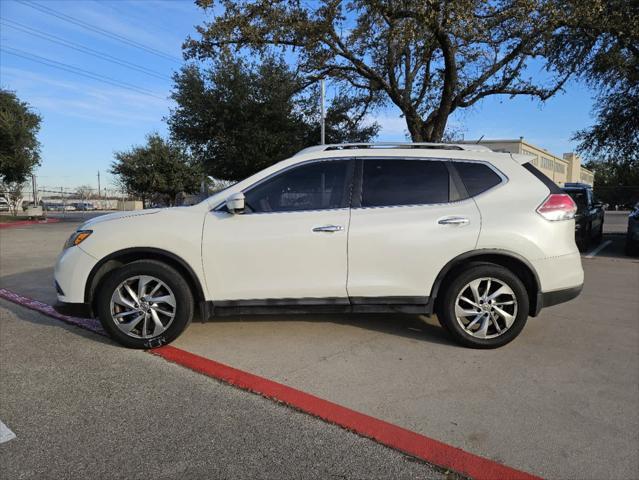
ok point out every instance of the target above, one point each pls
(316, 186)
(389, 182)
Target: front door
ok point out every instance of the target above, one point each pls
(290, 244)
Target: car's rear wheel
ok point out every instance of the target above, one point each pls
(485, 306)
(144, 304)
(599, 235)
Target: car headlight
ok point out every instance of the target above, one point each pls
(77, 238)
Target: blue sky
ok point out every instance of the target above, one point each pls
(85, 120)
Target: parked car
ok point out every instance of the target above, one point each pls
(4, 205)
(84, 206)
(632, 236)
(589, 219)
(482, 239)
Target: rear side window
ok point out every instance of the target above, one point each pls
(389, 182)
(552, 186)
(477, 177)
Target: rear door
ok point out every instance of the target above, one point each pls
(407, 222)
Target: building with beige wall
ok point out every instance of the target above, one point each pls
(561, 170)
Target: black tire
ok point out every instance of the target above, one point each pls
(632, 248)
(599, 236)
(178, 285)
(446, 311)
(584, 242)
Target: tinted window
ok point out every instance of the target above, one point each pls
(316, 186)
(477, 177)
(404, 182)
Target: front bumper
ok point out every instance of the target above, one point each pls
(548, 299)
(71, 273)
(82, 310)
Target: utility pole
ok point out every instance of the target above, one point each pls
(35, 190)
(323, 134)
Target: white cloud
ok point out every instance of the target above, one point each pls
(103, 104)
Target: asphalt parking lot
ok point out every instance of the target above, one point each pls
(562, 401)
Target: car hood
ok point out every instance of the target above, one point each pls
(119, 216)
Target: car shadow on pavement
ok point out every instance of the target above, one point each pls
(414, 327)
(615, 249)
(38, 284)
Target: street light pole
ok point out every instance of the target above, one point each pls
(323, 129)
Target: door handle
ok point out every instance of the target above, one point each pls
(453, 221)
(329, 228)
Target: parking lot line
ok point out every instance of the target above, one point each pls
(593, 253)
(385, 433)
(5, 433)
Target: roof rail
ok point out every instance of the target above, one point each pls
(471, 147)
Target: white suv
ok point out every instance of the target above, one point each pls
(480, 238)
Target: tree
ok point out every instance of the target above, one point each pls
(12, 191)
(428, 57)
(616, 181)
(19, 146)
(84, 191)
(600, 40)
(159, 168)
(238, 118)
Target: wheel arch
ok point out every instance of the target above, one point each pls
(510, 260)
(128, 255)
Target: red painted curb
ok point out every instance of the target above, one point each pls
(22, 223)
(398, 438)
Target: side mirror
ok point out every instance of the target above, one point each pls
(235, 203)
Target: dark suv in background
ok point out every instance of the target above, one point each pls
(589, 219)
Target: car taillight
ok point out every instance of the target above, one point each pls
(558, 206)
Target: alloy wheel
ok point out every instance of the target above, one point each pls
(143, 306)
(486, 308)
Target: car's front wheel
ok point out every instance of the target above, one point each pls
(144, 304)
(484, 306)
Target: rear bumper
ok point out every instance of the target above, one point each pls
(82, 310)
(548, 299)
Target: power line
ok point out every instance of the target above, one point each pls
(77, 71)
(81, 48)
(101, 31)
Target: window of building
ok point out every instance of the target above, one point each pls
(316, 186)
(388, 182)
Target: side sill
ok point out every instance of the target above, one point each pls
(410, 305)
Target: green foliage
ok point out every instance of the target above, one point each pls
(159, 170)
(599, 39)
(616, 181)
(429, 58)
(19, 146)
(238, 118)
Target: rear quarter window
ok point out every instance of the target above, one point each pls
(477, 177)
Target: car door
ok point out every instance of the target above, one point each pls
(289, 246)
(406, 224)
